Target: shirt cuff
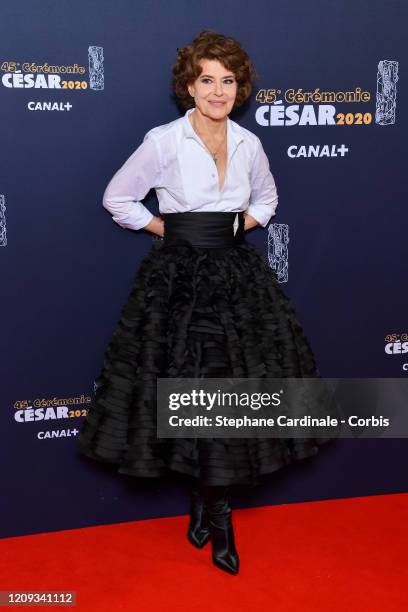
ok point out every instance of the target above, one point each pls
(137, 217)
(261, 213)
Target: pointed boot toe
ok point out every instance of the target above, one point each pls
(198, 537)
(229, 563)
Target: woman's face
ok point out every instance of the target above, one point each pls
(214, 90)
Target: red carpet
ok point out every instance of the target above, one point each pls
(347, 554)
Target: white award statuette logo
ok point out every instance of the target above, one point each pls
(3, 232)
(387, 77)
(278, 238)
(96, 74)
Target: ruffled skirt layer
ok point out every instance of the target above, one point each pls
(196, 312)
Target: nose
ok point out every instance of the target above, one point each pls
(218, 88)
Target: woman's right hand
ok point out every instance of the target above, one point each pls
(156, 226)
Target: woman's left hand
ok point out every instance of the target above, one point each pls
(249, 222)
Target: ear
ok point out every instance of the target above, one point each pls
(190, 89)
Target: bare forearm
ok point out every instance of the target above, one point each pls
(249, 222)
(156, 226)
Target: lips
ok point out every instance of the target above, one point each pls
(216, 103)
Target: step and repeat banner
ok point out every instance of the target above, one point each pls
(81, 83)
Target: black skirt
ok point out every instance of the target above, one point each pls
(203, 303)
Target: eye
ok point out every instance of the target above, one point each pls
(208, 80)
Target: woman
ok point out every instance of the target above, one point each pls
(204, 302)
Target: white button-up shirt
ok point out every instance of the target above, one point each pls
(174, 161)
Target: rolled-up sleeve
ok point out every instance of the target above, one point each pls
(131, 183)
(264, 196)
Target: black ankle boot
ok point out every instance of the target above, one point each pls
(219, 513)
(198, 532)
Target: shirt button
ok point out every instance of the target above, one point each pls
(213, 175)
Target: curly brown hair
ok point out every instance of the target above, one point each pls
(211, 45)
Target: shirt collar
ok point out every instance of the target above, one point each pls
(234, 131)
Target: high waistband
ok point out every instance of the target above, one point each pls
(208, 229)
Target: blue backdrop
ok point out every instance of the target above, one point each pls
(81, 83)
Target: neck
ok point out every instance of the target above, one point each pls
(207, 125)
